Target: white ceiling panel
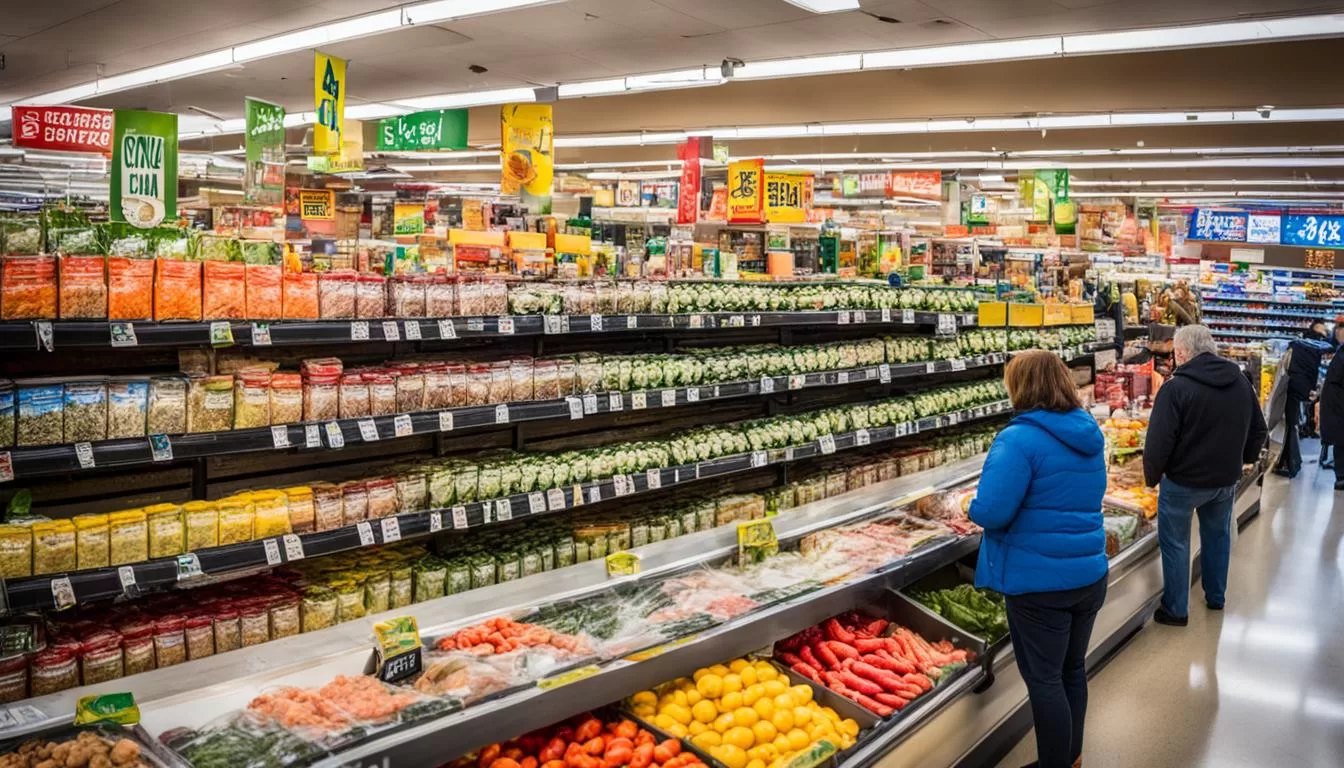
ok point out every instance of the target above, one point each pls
(647, 18)
(738, 14)
(904, 11)
(973, 11)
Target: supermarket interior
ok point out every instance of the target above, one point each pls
(607, 383)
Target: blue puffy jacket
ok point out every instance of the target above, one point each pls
(1039, 501)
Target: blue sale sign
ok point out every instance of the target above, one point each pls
(1312, 231)
(1218, 226)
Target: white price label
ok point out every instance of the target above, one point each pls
(536, 502)
(391, 531)
(858, 316)
(668, 397)
(827, 443)
(506, 325)
(550, 324)
(62, 592)
(930, 366)
(767, 385)
(902, 429)
(476, 324)
(123, 334)
(884, 373)
(788, 453)
(391, 331)
(312, 436)
(501, 414)
(161, 447)
(692, 394)
(842, 377)
(758, 459)
(595, 322)
(737, 321)
(886, 314)
(413, 330)
(368, 430)
(280, 436)
(907, 317)
(435, 522)
(615, 402)
(638, 401)
(797, 381)
(503, 509)
(594, 494)
(654, 479)
(715, 391)
(861, 437)
(842, 317)
(445, 421)
(335, 438)
(44, 334)
(696, 321)
(365, 534)
(958, 364)
(947, 324)
(621, 485)
(447, 330)
(459, 517)
(294, 547)
(401, 425)
(755, 321)
(84, 452)
(261, 334)
(631, 322)
(359, 330)
(487, 512)
(589, 404)
(954, 417)
(575, 407)
(555, 499)
(127, 575)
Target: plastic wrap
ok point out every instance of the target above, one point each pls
(28, 288)
(382, 392)
(128, 537)
(370, 296)
(127, 407)
(354, 502)
(336, 294)
(83, 288)
(167, 534)
(224, 290)
(54, 549)
(264, 297)
(328, 510)
(302, 513)
(130, 288)
(177, 290)
(235, 520)
(9, 413)
(408, 296)
(354, 396)
(170, 642)
(382, 497)
(410, 389)
(440, 297)
(41, 413)
(270, 513)
(286, 398)
(167, 406)
(300, 296)
(85, 411)
(92, 542)
(210, 404)
(252, 399)
(16, 551)
(201, 519)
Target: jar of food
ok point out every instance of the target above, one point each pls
(354, 397)
(286, 398)
(410, 389)
(252, 399)
(254, 621)
(167, 406)
(270, 513)
(336, 294)
(302, 515)
(478, 384)
(382, 497)
(167, 534)
(53, 670)
(202, 524)
(127, 407)
(54, 547)
(199, 631)
(16, 551)
(440, 297)
(85, 411)
(100, 657)
(328, 513)
(371, 296)
(236, 517)
(382, 392)
(227, 629)
(13, 679)
(319, 609)
(210, 404)
(137, 645)
(544, 382)
(170, 642)
(285, 619)
(354, 502)
(520, 380)
(92, 542)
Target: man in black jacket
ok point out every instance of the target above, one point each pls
(1206, 424)
(1304, 370)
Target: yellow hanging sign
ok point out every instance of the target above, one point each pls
(527, 136)
(785, 201)
(746, 191)
(329, 100)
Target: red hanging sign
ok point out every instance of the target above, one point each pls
(688, 192)
(925, 185)
(69, 129)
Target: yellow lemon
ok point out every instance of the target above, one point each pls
(802, 693)
(765, 707)
(707, 739)
(678, 730)
(710, 686)
(785, 701)
(801, 716)
(732, 683)
(723, 722)
(719, 670)
(736, 665)
(680, 698)
(693, 696)
(798, 738)
(732, 756)
(699, 673)
(696, 728)
(849, 727)
(765, 671)
(765, 732)
(748, 675)
(664, 720)
(745, 716)
(679, 713)
(741, 737)
(755, 764)
(781, 744)
(830, 713)
(774, 687)
(704, 711)
(666, 699)
(646, 712)
(644, 698)
(730, 700)
(683, 683)
(752, 693)
(783, 720)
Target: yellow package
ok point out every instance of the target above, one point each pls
(301, 510)
(54, 547)
(128, 537)
(202, 524)
(16, 551)
(272, 513)
(236, 516)
(166, 533)
(92, 549)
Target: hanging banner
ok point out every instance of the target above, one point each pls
(68, 129)
(351, 157)
(144, 168)
(1315, 231)
(527, 135)
(408, 218)
(872, 184)
(264, 140)
(435, 129)
(746, 191)
(329, 99)
(627, 193)
(785, 201)
(1218, 226)
(1066, 217)
(924, 185)
(688, 191)
(718, 204)
(317, 204)
(1263, 229)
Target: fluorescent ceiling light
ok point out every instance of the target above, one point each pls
(433, 155)
(446, 10)
(470, 99)
(943, 55)
(680, 78)
(1209, 183)
(592, 88)
(806, 65)
(63, 96)
(170, 71)
(616, 175)
(621, 140)
(373, 111)
(825, 6)
(1240, 193)
(313, 37)
(1192, 35)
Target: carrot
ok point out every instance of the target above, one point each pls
(862, 685)
(805, 653)
(553, 764)
(806, 671)
(877, 707)
(826, 655)
(870, 644)
(842, 650)
(788, 658)
(835, 631)
(891, 700)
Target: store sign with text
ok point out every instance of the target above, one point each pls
(329, 101)
(68, 129)
(1312, 231)
(925, 185)
(1218, 226)
(144, 168)
(688, 191)
(785, 198)
(264, 145)
(435, 129)
(317, 204)
(1263, 229)
(527, 154)
(746, 191)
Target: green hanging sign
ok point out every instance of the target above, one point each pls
(435, 129)
(144, 168)
(264, 140)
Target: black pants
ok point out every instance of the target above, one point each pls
(1050, 633)
(1309, 418)
(1291, 460)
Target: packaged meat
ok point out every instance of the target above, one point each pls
(83, 282)
(264, 296)
(177, 290)
(130, 288)
(28, 288)
(300, 298)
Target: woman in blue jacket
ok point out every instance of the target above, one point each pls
(1044, 547)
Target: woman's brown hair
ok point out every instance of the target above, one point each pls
(1039, 379)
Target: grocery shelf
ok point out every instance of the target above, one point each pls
(1249, 335)
(1216, 310)
(1267, 299)
(317, 436)
(74, 334)
(39, 592)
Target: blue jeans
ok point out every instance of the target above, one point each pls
(1176, 504)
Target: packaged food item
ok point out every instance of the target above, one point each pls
(382, 392)
(410, 389)
(520, 376)
(201, 524)
(408, 295)
(224, 290)
(92, 542)
(130, 288)
(177, 290)
(478, 378)
(382, 495)
(300, 298)
(28, 288)
(354, 502)
(501, 387)
(429, 574)
(83, 284)
(167, 534)
(137, 645)
(54, 547)
(254, 622)
(127, 407)
(286, 398)
(41, 418)
(264, 293)
(85, 410)
(350, 601)
(402, 588)
(100, 657)
(285, 619)
(439, 386)
(546, 385)
(228, 630)
(440, 297)
(377, 592)
(167, 406)
(319, 609)
(9, 413)
(252, 398)
(210, 400)
(302, 515)
(53, 670)
(16, 551)
(370, 296)
(321, 396)
(199, 632)
(328, 513)
(336, 294)
(13, 679)
(354, 396)
(236, 517)
(412, 491)
(170, 642)
(270, 513)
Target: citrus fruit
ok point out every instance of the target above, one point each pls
(785, 701)
(710, 686)
(765, 731)
(730, 700)
(801, 717)
(719, 670)
(803, 693)
(748, 675)
(704, 711)
(732, 683)
(732, 756)
(774, 687)
(751, 693)
(765, 671)
(736, 665)
(783, 719)
(693, 696)
(644, 698)
(696, 728)
(707, 739)
(738, 736)
(798, 738)
(765, 707)
(699, 673)
(723, 722)
(745, 716)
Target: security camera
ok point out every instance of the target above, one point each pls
(1265, 110)
(728, 67)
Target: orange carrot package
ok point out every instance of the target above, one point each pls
(130, 288)
(224, 290)
(83, 285)
(264, 300)
(28, 288)
(300, 299)
(177, 290)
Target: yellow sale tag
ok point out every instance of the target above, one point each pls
(622, 564)
(117, 708)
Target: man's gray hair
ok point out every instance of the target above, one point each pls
(1195, 340)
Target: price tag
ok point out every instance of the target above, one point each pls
(555, 499)
(126, 574)
(861, 437)
(506, 325)
(737, 321)
(413, 330)
(501, 414)
(575, 408)
(368, 430)
(84, 452)
(160, 448)
(445, 421)
(622, 564)
(536, 502)
(44, 334)
(294, 545)
(638, 401)
(487, 512)
(631, 322)
(692, 394)
(954, 417)
(758, 459)
(261, 334)
(767, 385)
(668, 397)
(930, 367)
(272, 551)
(901, 429)
(886, 314)
(788, 453)
(446, 329)
(503, 509)
(476, 324)
(615, 402)
(391, 531)
(280, 436)
(858, 316)
(842, 317)
(884, 373)
(459, 517)
(696, 321)
(755, 321)
(653, 478)
(947, 324)
(715, 391)
(123, 334)
(594, 493)
(958, 364)
(399, 652)
(365, 534)
(621, 485)
(401, 425)
(589, 404)
(188, 566)
(221, 334)
(595, 322)
(827, 443)
(359, 330)
(550, 324)
(63, 593)
(907, 317)
(391, 331)
(312, 436)
(436, 522)
(842, 377)
(797, 381)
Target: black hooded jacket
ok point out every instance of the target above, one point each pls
(1205, 424)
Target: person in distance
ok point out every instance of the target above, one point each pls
(1044, 546)
(1332, 406)
(1206, 423)
(1304, 370)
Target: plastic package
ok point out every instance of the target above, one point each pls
(254, 622)
(137, 645)
(228, 630)
(438, 387)
(83, 285)
(286, 398)
(350, 602)
(236, 518)
(501, 387)
(9, 413)
(520, 378)
(264, 294)
(354, 396)
(224, 290)
(177, 290)
(429, 574)
(440, 297)
(410, 389)
(412, 491)
(100, 657)
(382, 496)
(477, 385)
(402, 588)
(318, 610)
(128, 537)
(13, 679)
(41, 413)
(53, 670)
(370, 296)
(210, 402)
(92, 542)
(170, 642)
(28, 288)
(199, 632)
(54, 547)
(546, 385)
(285, 619)
(167, 406)
(300, 296)
(354, 502)
(270, 513)
(408, 296)
(166, 531)
(16, 551)
(328, 511)
(377, 592)
(127, 407)
(382, 392)
(336, 294)
(130, 288)
(201, 524)
(302, 515)
(85, 411)
(252, 398)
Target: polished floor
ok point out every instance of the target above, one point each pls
(1261, 684)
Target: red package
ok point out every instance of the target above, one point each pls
(83, 287)
(28, 288)
(300, 296)
(264, 300)
(224, 290)
(177, 290)
(130, 288)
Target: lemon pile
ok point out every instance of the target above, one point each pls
(744, 714)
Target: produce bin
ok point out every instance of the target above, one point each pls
(152, 753)
(945, 578)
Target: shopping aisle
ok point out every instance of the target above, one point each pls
(1260, 684)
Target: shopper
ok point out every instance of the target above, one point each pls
(1206, 424)
(1304, 369)
(1332, 407)
(1316, 332)
(1044, 546)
